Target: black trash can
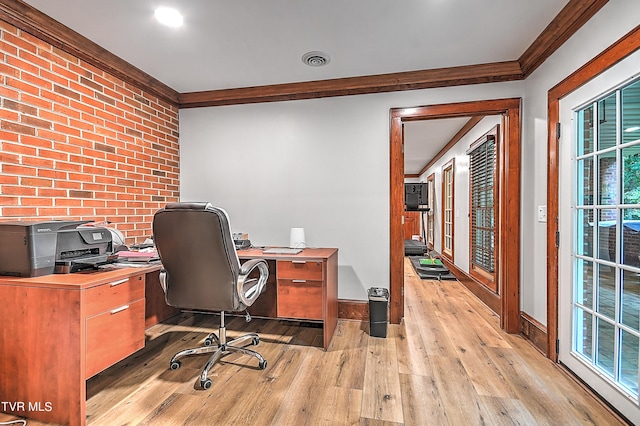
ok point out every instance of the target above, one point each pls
(378, 308)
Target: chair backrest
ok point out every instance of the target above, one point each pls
(196, 248)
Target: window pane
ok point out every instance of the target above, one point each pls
(584, 243)
(607, 122)
(607, 179)
(629, 361)
(585, 182)
(631, 113)
(584, 333)
(630, 304)
(630, 237)
(584, 283)
(631, 175)
(607, 230)
(605, 346)
(606, 285)
(585, 131)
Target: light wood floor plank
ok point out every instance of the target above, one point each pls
(382, 397)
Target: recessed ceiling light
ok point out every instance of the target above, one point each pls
(316, 59)
(168, 16)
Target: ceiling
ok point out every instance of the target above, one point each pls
(241, 43)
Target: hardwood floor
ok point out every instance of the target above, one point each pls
(447, 364)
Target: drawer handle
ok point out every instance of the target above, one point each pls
(299, 261)
(120, 309)
(115, 283)
(298, 281)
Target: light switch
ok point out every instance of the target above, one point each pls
(542, 213)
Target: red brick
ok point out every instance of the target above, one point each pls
(54, 78)
(34, 59)
(81, 211)
(64, 201)
(81, 124)
(80, 106)
(6, 114)
(19, 42)
(36, 141)
(36, 100)
(70, 131)
(31, 181)
(6, 157)
(52, 174)
(47, 94)
(51, 135)
(13, 169)
(55, 59)
(54, 155)
(37, 162)
(18, 128)
(38, 201)
(52, 212)
(53, 193)
(19, 212)
(37, 81)
(63, 71)
(54, 117)
(18, 190)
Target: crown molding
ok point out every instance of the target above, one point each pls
(575, 14)
(32, 21)
(570, 19)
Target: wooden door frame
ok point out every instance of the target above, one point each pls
(619, 50)
(509, 244)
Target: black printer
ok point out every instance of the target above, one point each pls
(36, 248)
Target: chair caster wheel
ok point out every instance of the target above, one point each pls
(255, 341)
(174, 365)
(262, 364)
(206, 384)
(208, 342)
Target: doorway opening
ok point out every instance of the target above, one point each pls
(509, 212)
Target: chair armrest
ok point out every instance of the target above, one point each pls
(247, 297)
(163, 280)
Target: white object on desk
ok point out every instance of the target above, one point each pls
(296, 239)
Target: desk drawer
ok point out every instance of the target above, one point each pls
(300, 299)
(113, 335)
(114, 294)
(299, 270)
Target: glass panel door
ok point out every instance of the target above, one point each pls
(599, 290)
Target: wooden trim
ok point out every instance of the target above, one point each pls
(444, 252)
(36, 23)
(619, 50)
(509, 247)
(488, 297)
(396, 210)
(353, 309)
(570, 19)
(394, 82)
(454, 140)
(534, 331)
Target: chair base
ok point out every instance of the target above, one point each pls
(220, 349)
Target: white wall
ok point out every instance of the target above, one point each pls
(320, 164)
(616, 18)
(323, 164)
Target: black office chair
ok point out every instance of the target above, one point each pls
(201, 272)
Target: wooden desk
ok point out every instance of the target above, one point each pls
(303, 286)
(59, 330)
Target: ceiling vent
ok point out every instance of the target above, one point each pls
(315, 59)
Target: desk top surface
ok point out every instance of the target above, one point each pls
(79, 280)
(305, 254)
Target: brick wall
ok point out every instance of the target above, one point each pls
(78, 143)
